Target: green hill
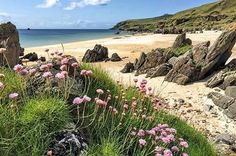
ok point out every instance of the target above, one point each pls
(215, 15)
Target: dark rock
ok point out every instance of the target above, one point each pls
(173, 60)
(181, 41)
(99, 53)
(129, 68)
(233, 148)
(231, 91)
(160, 70)
(68, 142)
(115, 57)
(43, 59)
(226, 138)
(138, 63)
(231, 111)
(31, 57)
(221, 100)
(10, 45)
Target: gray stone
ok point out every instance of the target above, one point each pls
(231, 111)
(231, 91)
(129, 68)
(225, 138)
(115, 57)
(99, 53)
(221, 100)
(181, 41)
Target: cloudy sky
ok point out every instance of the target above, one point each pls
(89, 14)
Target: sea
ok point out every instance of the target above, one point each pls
(42, 37)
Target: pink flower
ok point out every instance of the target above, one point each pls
(13, 96)
(32, 71)
(18, 67)
(100, 91)
(63, 68)
(1, 86)
(100, 102)
(75, 65)
(43, 67)
(126, 106)
(24, 72)
(115, 111)
(184, 144)
(86, 98)
(184, 154)
(59, 76)
(64, 61)
(50, 65)
(141, 133)
(77, 101)
(46, 50)
(142, 142)
(83, 72)
(158, 154)
(133, 133)
(175, 149)
(47, 75)
(64, 73)
(151, 132)
(89, 72)
(168, 152)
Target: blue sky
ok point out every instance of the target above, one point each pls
(86, 13)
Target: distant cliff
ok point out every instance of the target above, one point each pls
(215, 15)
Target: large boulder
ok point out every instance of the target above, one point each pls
(231, 91)
(31, 56)
(201, 62)
(160, 70)
(181, 41)
(99, 53)
(10, 48)
(115, 57)
(128, 68)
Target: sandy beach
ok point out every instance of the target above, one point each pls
(194, 109)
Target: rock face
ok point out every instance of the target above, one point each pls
(231, 91)
(10, 49)
(99, 53)
(129, 68)
(68, 142)
(225, 102)
(115, 57)
(160, 70)
(181, 41)
(201, 62)
(31, 56)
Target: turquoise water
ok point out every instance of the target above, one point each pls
(40, 37)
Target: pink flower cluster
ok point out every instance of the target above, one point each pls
(163, 138)
(84, 99)
(86, 72)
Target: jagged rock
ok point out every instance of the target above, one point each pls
(115, 57)
(129, 68)
(221, 100)
(99, 53)
(181, 41)
(10, 44)
(31, 56)
(224, 78)
(139, 62)
(225, 138)
(173, 60)
(231, 91)
(199, 63)
(231, 111)
(160, 70)
(68, 142)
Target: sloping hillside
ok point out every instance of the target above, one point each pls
(215, 15)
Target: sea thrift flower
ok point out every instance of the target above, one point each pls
(141, 133)
(1, 86)
(64, 73)
(47, 75)
(184, 154)
(50, 65)
(18, 67)
(75, 65)
(89, 72)
(133, 133)
(142, 142)
(100, 91)
(167, 153)
(64, 61)
(126, 106)
(43, 67)
(151, 132)
(24, 72)
(86, 98)
(101, 102)
(77, 101)
(184, 144)
(83, 72)
(63, 68)
(115, 111)
(32, 71)
(13, 96)
(59, 76)
(175, 149)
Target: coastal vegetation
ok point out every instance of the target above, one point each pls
(112, 119)
(215, 16)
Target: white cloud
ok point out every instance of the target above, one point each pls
(48, 4)
(84, 3)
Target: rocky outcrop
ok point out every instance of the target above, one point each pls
(31, 57)
(181, 41)
(228, 104)
(99, 53)
(225, 77)
(10, 48)
(115, 57)
(129, 68)
(160, 70)
(201, 62)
